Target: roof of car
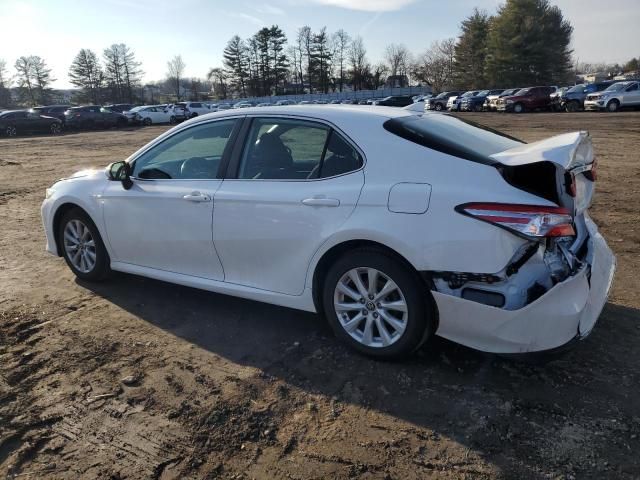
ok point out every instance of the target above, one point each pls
(327, 112)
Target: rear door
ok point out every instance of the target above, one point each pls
(291, 184)
(631, 95)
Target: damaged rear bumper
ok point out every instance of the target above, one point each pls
(566, 312)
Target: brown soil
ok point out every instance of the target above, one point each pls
(138, 379)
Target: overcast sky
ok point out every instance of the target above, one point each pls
(199, 29)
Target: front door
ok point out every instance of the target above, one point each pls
(165, 220)
(295, 184)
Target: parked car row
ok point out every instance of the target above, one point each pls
(607, 96)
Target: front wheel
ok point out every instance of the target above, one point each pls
(11, 131)
(82, 246)
(146, 122)
(518, 108)
(55, 129)
(613, 106)
(439, 107)
(377, 305)
(172, 120)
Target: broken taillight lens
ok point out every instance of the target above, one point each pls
(529, 220)
(591, 174)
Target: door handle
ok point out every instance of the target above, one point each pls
(321, 202)
(197, 197)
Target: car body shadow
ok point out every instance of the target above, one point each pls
(499, 408)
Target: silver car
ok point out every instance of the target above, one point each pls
(617, 96)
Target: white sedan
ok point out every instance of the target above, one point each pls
(395, 226)
(151, 114)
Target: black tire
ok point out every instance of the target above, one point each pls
(101, 269)
(518, 108)
(438, 107)
(421, 316)
(613, 106)
(121, 123)
(572, 106)
(55, 129)
(172, 120)
(146, 122)
(194, 114)
(478, 108)
(11, 131)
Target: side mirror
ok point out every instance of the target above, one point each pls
(121, 172)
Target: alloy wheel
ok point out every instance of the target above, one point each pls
(55, 128)
(370, 307)
(11, 131)
(80, 246)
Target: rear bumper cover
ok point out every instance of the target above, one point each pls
(565, 313)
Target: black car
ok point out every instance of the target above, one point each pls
(395, 101)
(16, 122)
(94, 116)
(439, 102)
(120, 107)
(56, 111)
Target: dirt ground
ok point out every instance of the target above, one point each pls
(138, 379)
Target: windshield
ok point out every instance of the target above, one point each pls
(443, 94)
(453, 136)
(522, 92)
(467, 94)
(483, 93)
(577, 88)
(136, 109)
(616, 87)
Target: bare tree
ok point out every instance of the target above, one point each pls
(397, 58)
(341, 42)
(175, 70)
(5, 83)
(358, 62)
(305, 41)
(33, 78)
(218, 77)
(435, 66)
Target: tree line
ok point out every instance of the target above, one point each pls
(527, 42)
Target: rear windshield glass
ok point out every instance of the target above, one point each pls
(453, 136)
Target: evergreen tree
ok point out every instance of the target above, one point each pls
(321, 57)
(528, 44)
(237, 64)
(471, 51)
(86, 73)
(122, 72)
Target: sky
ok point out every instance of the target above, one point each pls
(199, 29)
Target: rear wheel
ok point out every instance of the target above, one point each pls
(377, 305)
(55, 129)
(613, 106)
(518, 108)
(82, 246)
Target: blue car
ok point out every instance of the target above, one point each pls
(458, 101)
(475, 103)
(573, 99)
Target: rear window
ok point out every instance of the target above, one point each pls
(453, 136)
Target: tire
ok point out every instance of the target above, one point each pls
(613, 106)
(194, 114)
(55, 129)
(518, 108)
(478, 108)
(11, 131)
(172, 120)
(572, 106)
(93, 263)
(121, 123)
(146, 122)
(405, 331)
(438, 107)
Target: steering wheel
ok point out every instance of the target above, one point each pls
(196, 167)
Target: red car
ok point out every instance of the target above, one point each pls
(532, 98)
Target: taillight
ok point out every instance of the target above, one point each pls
(591, 174)
(529, 220)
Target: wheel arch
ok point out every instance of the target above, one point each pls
(323, 264)
(60, 211)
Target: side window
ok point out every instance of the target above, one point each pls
(194, 153)
(196, 105)
(340, 157)
(632, 88)
(283, 149)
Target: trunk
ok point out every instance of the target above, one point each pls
(561, 170)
